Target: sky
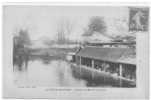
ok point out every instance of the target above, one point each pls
(42, 21)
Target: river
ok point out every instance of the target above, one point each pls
(55, 73)
(60, 73)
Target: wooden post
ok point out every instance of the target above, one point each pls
(120, 70)
(92, 64)
(80, 65)
(76, 60)
(104, 65)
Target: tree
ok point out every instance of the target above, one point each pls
(22, 39)
(69, 26)
(64, 29)
(24, 36)
(96, 24)
(60, 31)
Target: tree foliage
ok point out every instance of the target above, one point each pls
(96, 24)
(22, 38)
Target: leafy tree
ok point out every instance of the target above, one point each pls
(20, 49)
(96, 24)
(23, 37)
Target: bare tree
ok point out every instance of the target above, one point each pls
(64, 29)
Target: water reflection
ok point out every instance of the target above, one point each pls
(51, 73)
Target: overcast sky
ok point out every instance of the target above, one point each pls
(41, 21)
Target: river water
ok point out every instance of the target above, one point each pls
(60, 73)
(55, 73)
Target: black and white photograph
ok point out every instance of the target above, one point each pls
(74, 46)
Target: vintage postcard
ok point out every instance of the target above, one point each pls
(63, 51)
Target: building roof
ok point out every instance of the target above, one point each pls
(112, 43)
(107, 54)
